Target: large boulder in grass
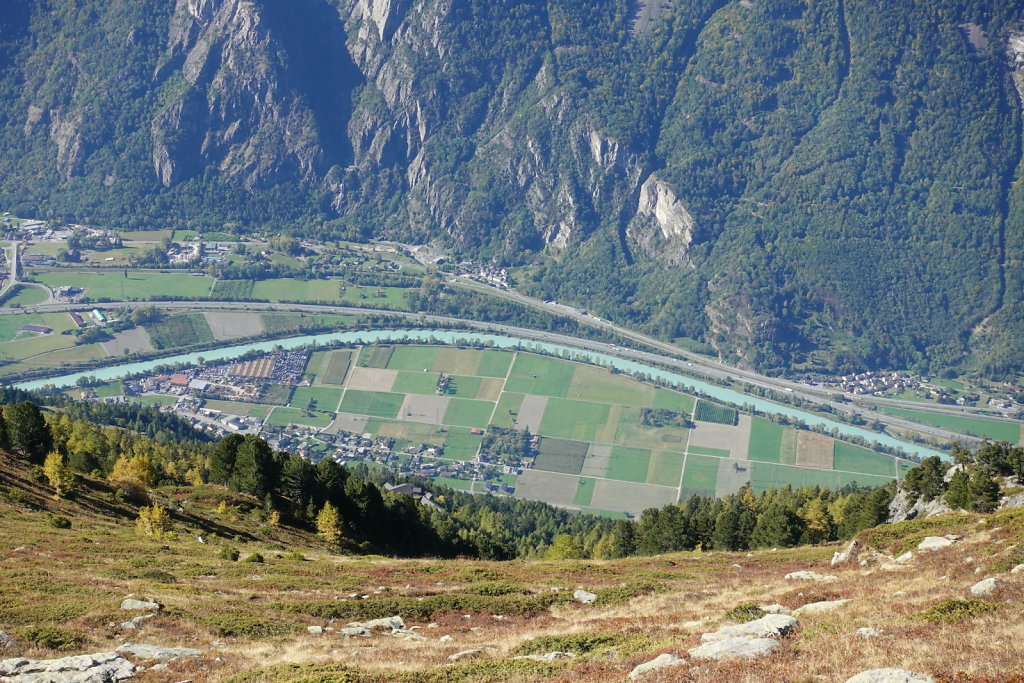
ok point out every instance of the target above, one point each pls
(985, 587)
(139, 603)
(768, 626)
(809, 576)
(845, 556)
(385, 624)
(740, 646)
(660, 662)
(890, 676)
(143, 651)
(104, 667)
(586, 597)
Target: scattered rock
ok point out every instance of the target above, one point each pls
(658, 663)
(465, 654)
(985, 587)
(548, 656)
(137, 622)
(446, 639)
(699, 624)
(586, 597)
(315, 630)
(774, 609)
(935, 543)
(768, 626)
(905, 557)
(868, 632)
(380, 624)
(1018, 569)
(4, 639)
(355, 631)
(134, 602)
(846, 555)
(143, 651)
(890, 676)
(740, 646)
(406, 634)
(105, 667)
(819, 607)
(810, 576)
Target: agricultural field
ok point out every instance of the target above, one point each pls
(139, 285)
(181, 329)
(992, 429)
(27, 295)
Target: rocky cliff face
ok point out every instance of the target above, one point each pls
(734, 169)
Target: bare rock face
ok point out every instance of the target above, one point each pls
(1015, 52)
(663, 227)
(900, 509)
(105, 667)
(659, 663)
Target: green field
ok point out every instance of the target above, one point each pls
(573, 419)
(376, 297)
(998, 431)
(507, 410)
(494, 363)
(290, 289)
(584, 491)
(701, 472)
(323, 398)
(415, 382)
(629, 464)
(672, 400)
(27, 295)
(235, 290)
(856, 459)
(154, 400)
(139, 285)
(540, 375)
(180, 329)
(466, 413)
(412, 358)
(276, 394)
(600, 386)
(287, 416)
(463, 387)
(667, 468)
(372, 403)
(704, 450)
(461, 445)
(765, 440)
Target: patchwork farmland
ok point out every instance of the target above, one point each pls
(605, 442)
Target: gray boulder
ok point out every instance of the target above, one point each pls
(406, 634)
(385, 624)
(137, 622)
(768, 626)
(1018, 569)
(314, 630)
(845, 556)
(4, 639)
(740, 646)
(586, 597)
(446, 639)
(985, 587)
(660, 662)
(890, 676)
(135, 602)
(465, 654)
(104, 667)
(868, 632)
(773, 609)
(819, 607)
(143, 651)
(810, 576)
(935, 543)
(355, 632)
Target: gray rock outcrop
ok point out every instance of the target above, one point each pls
(735, 647)
(355, 632)
(890, 676)
(660, 662)
(143, 651)
(548, 656)
(135, 602)
(768, 626)
(385, 624)
(819, 607)
(104, 667)
(465, 654)
(844, 556)
(985, 587)
(936, 542)
(809, 576)
(586, 597)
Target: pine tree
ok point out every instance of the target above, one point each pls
(817, 522)
(777, 526)
(328, 524)
(984, 490)
(27, 430)
(958, 495)
(60, 476)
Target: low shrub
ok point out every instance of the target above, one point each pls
(496, 588)
(52, 638)
(60, 522)
(745, 612)
(577, 643)
(295, 555)
(955, 611)
(255, 557)
(429, 607)
(229, 553)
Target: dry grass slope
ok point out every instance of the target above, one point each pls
(251, 619)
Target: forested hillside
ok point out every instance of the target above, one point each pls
(799, 184)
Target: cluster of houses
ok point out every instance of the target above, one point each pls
(485, 273)
(876, 383)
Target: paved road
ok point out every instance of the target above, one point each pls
(712, 369)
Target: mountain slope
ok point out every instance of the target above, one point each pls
(828, 184)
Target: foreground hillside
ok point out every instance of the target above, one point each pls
(249, 619)
(793, 182)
